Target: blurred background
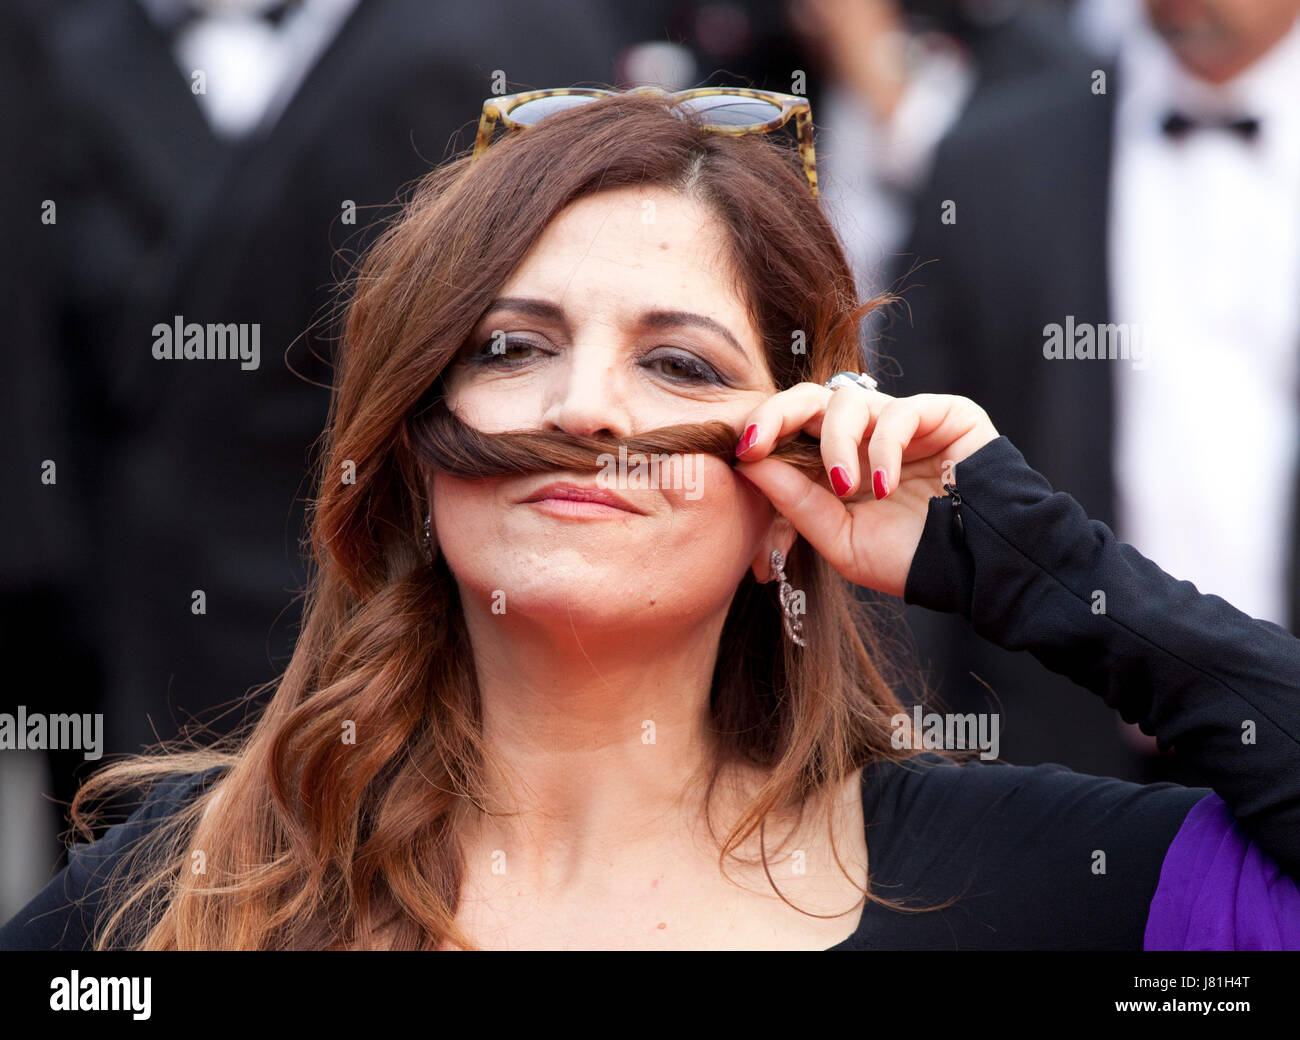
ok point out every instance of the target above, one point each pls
(1124, 172)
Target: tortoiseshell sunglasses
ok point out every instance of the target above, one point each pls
(734, 111)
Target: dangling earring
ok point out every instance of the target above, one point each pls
(428, 540)
(784, 593)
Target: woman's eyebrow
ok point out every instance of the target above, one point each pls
(651, 320)
(527, 305)
(662, 320)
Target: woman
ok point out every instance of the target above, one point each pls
(545, 699)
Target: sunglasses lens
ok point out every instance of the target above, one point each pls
(723, 110)
(532, 112)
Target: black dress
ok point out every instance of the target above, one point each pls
(1037, 857)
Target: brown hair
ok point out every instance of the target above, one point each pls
(442, 441)
(310, 842)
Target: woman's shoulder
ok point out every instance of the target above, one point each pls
(1012, 798)
(1012, 857)
(172, 791)
(1041, 857)
(1038, 856)
(164, 798)
(63, 914)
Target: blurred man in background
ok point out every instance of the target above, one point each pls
(1151, 209)
(897, 76)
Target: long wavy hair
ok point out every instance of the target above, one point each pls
(309, 841)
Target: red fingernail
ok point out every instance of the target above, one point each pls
(880, 483)
(747, 441)
(840, 480)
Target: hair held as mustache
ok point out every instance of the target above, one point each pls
(443, 442)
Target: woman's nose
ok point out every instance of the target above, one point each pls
(589, 397)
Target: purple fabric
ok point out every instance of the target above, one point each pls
(1219, 891)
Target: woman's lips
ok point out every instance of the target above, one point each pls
(566, 499)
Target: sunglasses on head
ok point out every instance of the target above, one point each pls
(734, 111)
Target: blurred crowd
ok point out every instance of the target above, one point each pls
(1089, 214)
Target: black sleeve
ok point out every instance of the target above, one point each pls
(63, 915)
(1032, 572)
(1032, 857)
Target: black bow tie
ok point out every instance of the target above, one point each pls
(1177, 126)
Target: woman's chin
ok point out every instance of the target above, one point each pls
(591, 606)
(561, 621)
(573, 599)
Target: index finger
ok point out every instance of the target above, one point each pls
(800, 407)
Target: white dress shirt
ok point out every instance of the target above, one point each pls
(1204, 242)
(252, 68)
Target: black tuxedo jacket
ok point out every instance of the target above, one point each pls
(107, 153)
(1029, 172)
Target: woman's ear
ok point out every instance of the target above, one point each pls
(780, 535)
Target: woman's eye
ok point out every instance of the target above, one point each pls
(683, 368)
(501, 349)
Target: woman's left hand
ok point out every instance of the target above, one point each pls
(915, 441)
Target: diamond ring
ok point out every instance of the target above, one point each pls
(840, 379)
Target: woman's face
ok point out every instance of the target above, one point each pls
(621, 319)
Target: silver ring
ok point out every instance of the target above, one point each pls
(840, 379)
